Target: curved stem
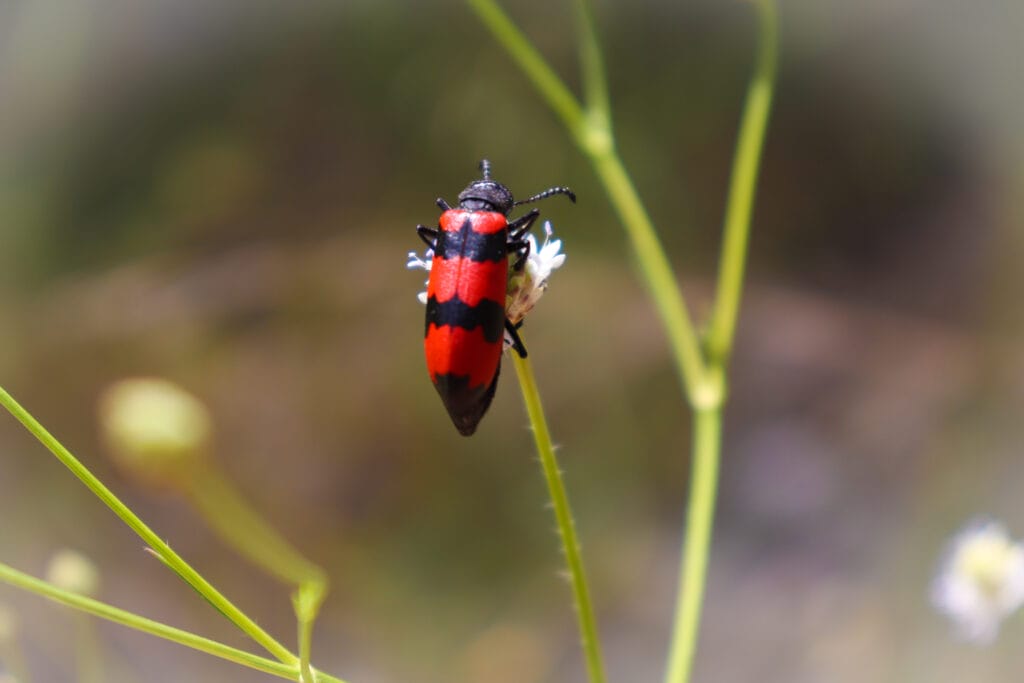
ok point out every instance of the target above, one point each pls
(231, 516)
(530, 61)
(89, 659)
(235, 521)
(563, 516)
(595, 138)
(707, 427)
(595, 83)
(708, 415)
(169, 557)
(102, 610)
(743, 185)
(657, 273)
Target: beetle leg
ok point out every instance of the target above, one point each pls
(522, 247)
(517, 343)
(443, 204)
(522, 225)
(428, 235)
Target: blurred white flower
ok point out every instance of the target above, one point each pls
(425, 263)
(526, 288)
(73, 571)
(980, 581)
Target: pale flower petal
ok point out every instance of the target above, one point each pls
(981, 580)
(526, 288)
(425, 263)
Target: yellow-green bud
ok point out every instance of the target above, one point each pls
(156, 431)
(73, 572)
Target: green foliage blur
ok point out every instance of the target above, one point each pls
(223, 194)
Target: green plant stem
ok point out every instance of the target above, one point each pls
(102, 610)
(87, 650)
(594, 135)
(595, 84)
(170, 558)
(531, 62)
(563, 516)
(708, 414)
(703, 376)
(235, 521)
(306, 601)
(743, 186)
(707, 429)
(656, 272)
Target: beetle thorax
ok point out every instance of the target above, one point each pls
(486, 195)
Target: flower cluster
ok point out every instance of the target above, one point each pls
(525, 288)
(981, 580)
(425, 263)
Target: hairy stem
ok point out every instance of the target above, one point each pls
(563, 516)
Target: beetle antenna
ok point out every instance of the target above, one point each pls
(549, 193)
(485, 166)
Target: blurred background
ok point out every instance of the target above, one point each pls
(224, 194)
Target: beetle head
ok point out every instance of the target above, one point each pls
(486, 194)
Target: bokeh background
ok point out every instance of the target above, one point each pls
(224, 194)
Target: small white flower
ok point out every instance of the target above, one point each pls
(526, 288)
(425, 263)
(981, 580)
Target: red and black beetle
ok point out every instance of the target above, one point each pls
(466, 293)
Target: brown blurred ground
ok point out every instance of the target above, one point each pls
(225, 197)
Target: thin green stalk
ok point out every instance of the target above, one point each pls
(305, 649)
(595, 84)
(657, 273)
(87, 650)
(531, 62)
(563, 516)
(743, 186)
(595, 137)
(306, 601)
(703, 376)
(231, 516)
(708, 416)
(239, 525)
(171, 558)
(102, 610)
(707, 429)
